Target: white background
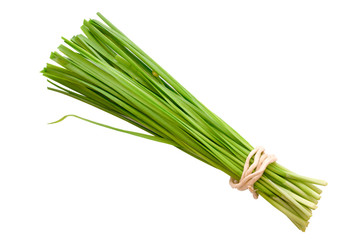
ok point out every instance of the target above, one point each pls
(285, 74)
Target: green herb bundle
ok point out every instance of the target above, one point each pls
(105, 69)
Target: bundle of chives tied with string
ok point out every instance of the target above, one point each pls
(105, 69)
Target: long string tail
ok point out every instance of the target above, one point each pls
(253, 172)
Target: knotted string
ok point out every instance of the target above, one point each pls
(249, 176)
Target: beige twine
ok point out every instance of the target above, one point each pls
(249, 176)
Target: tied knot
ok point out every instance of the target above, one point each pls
(252, 173)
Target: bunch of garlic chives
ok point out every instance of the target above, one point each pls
(104, 68)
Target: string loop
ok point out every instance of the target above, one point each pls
(252, 173)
